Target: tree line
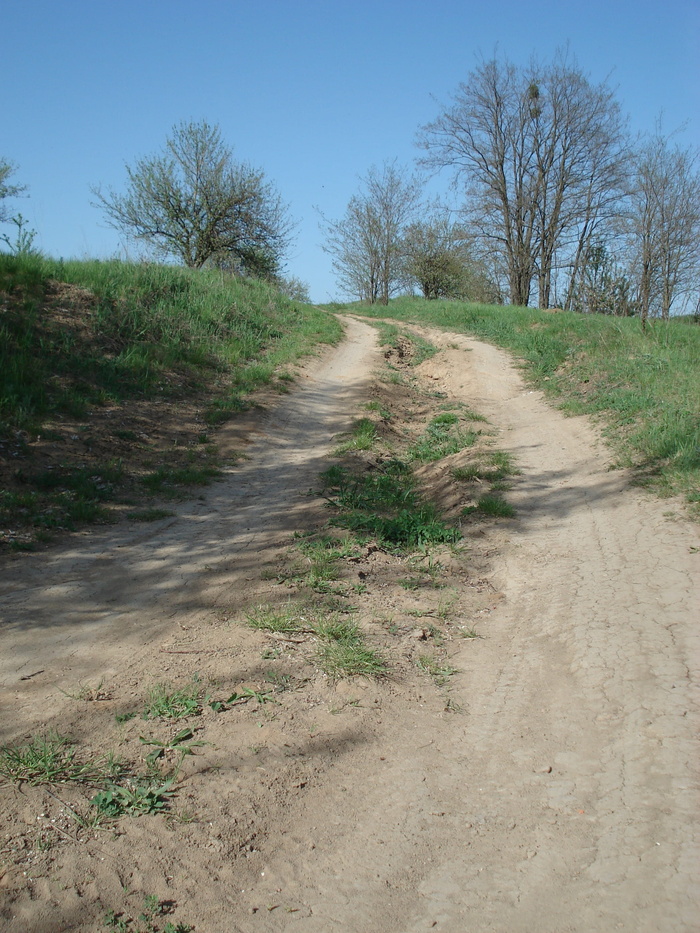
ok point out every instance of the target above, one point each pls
(557, 204)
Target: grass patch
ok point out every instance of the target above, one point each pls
(52, 759)
(491, 505)
(284, 621)
(165, 480)
(167, 703)
(341, 649)
(385, 504)
(442, 438)
(362, 436)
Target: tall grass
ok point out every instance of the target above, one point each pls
(643, 385)
(145, 329)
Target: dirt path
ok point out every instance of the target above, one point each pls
(562, 798)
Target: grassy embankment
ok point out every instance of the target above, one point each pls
(115, 337)
(643, 386)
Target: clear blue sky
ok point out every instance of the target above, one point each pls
(312, 91)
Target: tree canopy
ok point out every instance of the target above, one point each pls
(193, 202)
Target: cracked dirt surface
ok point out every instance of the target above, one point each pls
(556, 791)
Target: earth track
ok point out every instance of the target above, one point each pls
(564, 796)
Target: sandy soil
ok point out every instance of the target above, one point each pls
(550, 785)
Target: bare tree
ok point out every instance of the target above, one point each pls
(538, 152)
(664, 225)
(365, 244)
(195, 203)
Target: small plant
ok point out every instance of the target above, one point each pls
(439, 671)
(342, 651)
(174, 704)
(135, 798)
(242, 696)
(148, 920)
(87, 692)
(179, 743)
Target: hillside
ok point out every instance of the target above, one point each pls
(114, 377)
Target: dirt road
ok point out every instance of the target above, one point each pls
(562, 797)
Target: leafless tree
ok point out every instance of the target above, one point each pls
(195, 203)
(539, 151)
(365, 244)
(664, 224)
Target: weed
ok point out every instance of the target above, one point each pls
(236, 698)
(179, 743)
(148, 921)
(52, 759)
(87, 693)
(164, 703)
(135, 798)
(439, 671)
(280, 682)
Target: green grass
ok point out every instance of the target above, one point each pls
(164, 702)
(385, 504)
(145, 322)
(362, 436)
(643, 385)
(442, 438)
(493, 505)
(52, 759)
